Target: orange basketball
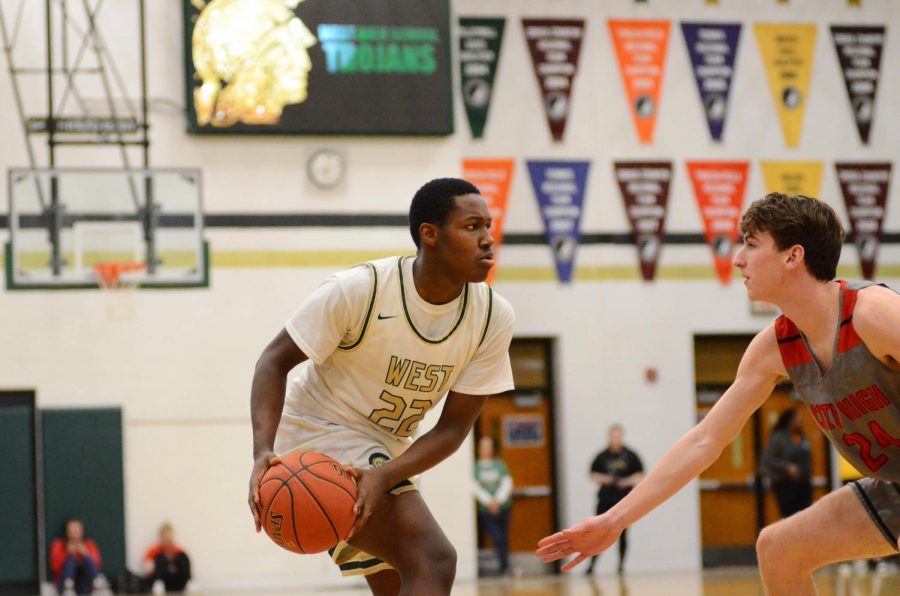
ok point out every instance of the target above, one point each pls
(306, 502)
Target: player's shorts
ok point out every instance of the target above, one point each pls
(882, 502)
(351, 448)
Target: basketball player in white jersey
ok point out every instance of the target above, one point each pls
(381, 344)
(839, 343)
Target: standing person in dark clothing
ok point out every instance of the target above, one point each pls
(616, 470)
(788, 463)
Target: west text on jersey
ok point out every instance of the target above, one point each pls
(417, 376)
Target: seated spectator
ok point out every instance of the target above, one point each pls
(74, 560)
(167, 562)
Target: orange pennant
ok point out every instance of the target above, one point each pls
(641, 51)
(493, 177)
(719, 187)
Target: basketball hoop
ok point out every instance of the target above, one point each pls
(119, 279)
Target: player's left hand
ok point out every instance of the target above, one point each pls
(585, 539)
(370, 488)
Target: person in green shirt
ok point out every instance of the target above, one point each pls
(493, 492)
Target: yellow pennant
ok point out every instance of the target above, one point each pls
(793, 177)
(787, 52)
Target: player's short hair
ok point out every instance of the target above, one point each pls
(798, 219)
(434, 201)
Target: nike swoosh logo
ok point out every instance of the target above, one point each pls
(381, 317)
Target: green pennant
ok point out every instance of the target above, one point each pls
(479, 52)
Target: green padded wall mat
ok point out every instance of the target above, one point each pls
(83, 478)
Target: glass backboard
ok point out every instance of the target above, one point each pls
(63, 222)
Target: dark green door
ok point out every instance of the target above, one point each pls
(19, 563)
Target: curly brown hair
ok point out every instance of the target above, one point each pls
(798, 219)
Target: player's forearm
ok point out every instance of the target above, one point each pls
(266, 402)
(690, 456)
(426, 452)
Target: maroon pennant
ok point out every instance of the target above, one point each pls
(555, 45)
(645, 192)
(865, 190)
(859, 51)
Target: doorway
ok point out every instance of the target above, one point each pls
(734, 502)
(521, 423)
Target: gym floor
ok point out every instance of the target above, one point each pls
(742, 581)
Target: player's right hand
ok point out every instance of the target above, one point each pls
(585, 539)
(263, 462)
(370, 489)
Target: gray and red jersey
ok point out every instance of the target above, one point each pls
(857, 401)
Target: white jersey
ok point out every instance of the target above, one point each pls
(380, 356)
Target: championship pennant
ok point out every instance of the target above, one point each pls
(787, 52)
(641, 51)
(859, 52)
(793, 177)
(555, 45)
(719, 188)
(645, 192)
(560, 187)
(712, 47)
(493, 178)
(479, 52)
(865, 190)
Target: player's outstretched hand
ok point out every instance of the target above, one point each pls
(585, 539)
(370, 488)
(262, 463)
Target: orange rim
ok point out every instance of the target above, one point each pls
(109, 274)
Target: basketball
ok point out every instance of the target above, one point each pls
(306, 502)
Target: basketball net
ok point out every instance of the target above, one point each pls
(119, 281)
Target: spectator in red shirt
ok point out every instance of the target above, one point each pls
(167, 562)
(74, 560)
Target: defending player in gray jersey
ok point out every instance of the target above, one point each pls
(855, 402)
(840, 345)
